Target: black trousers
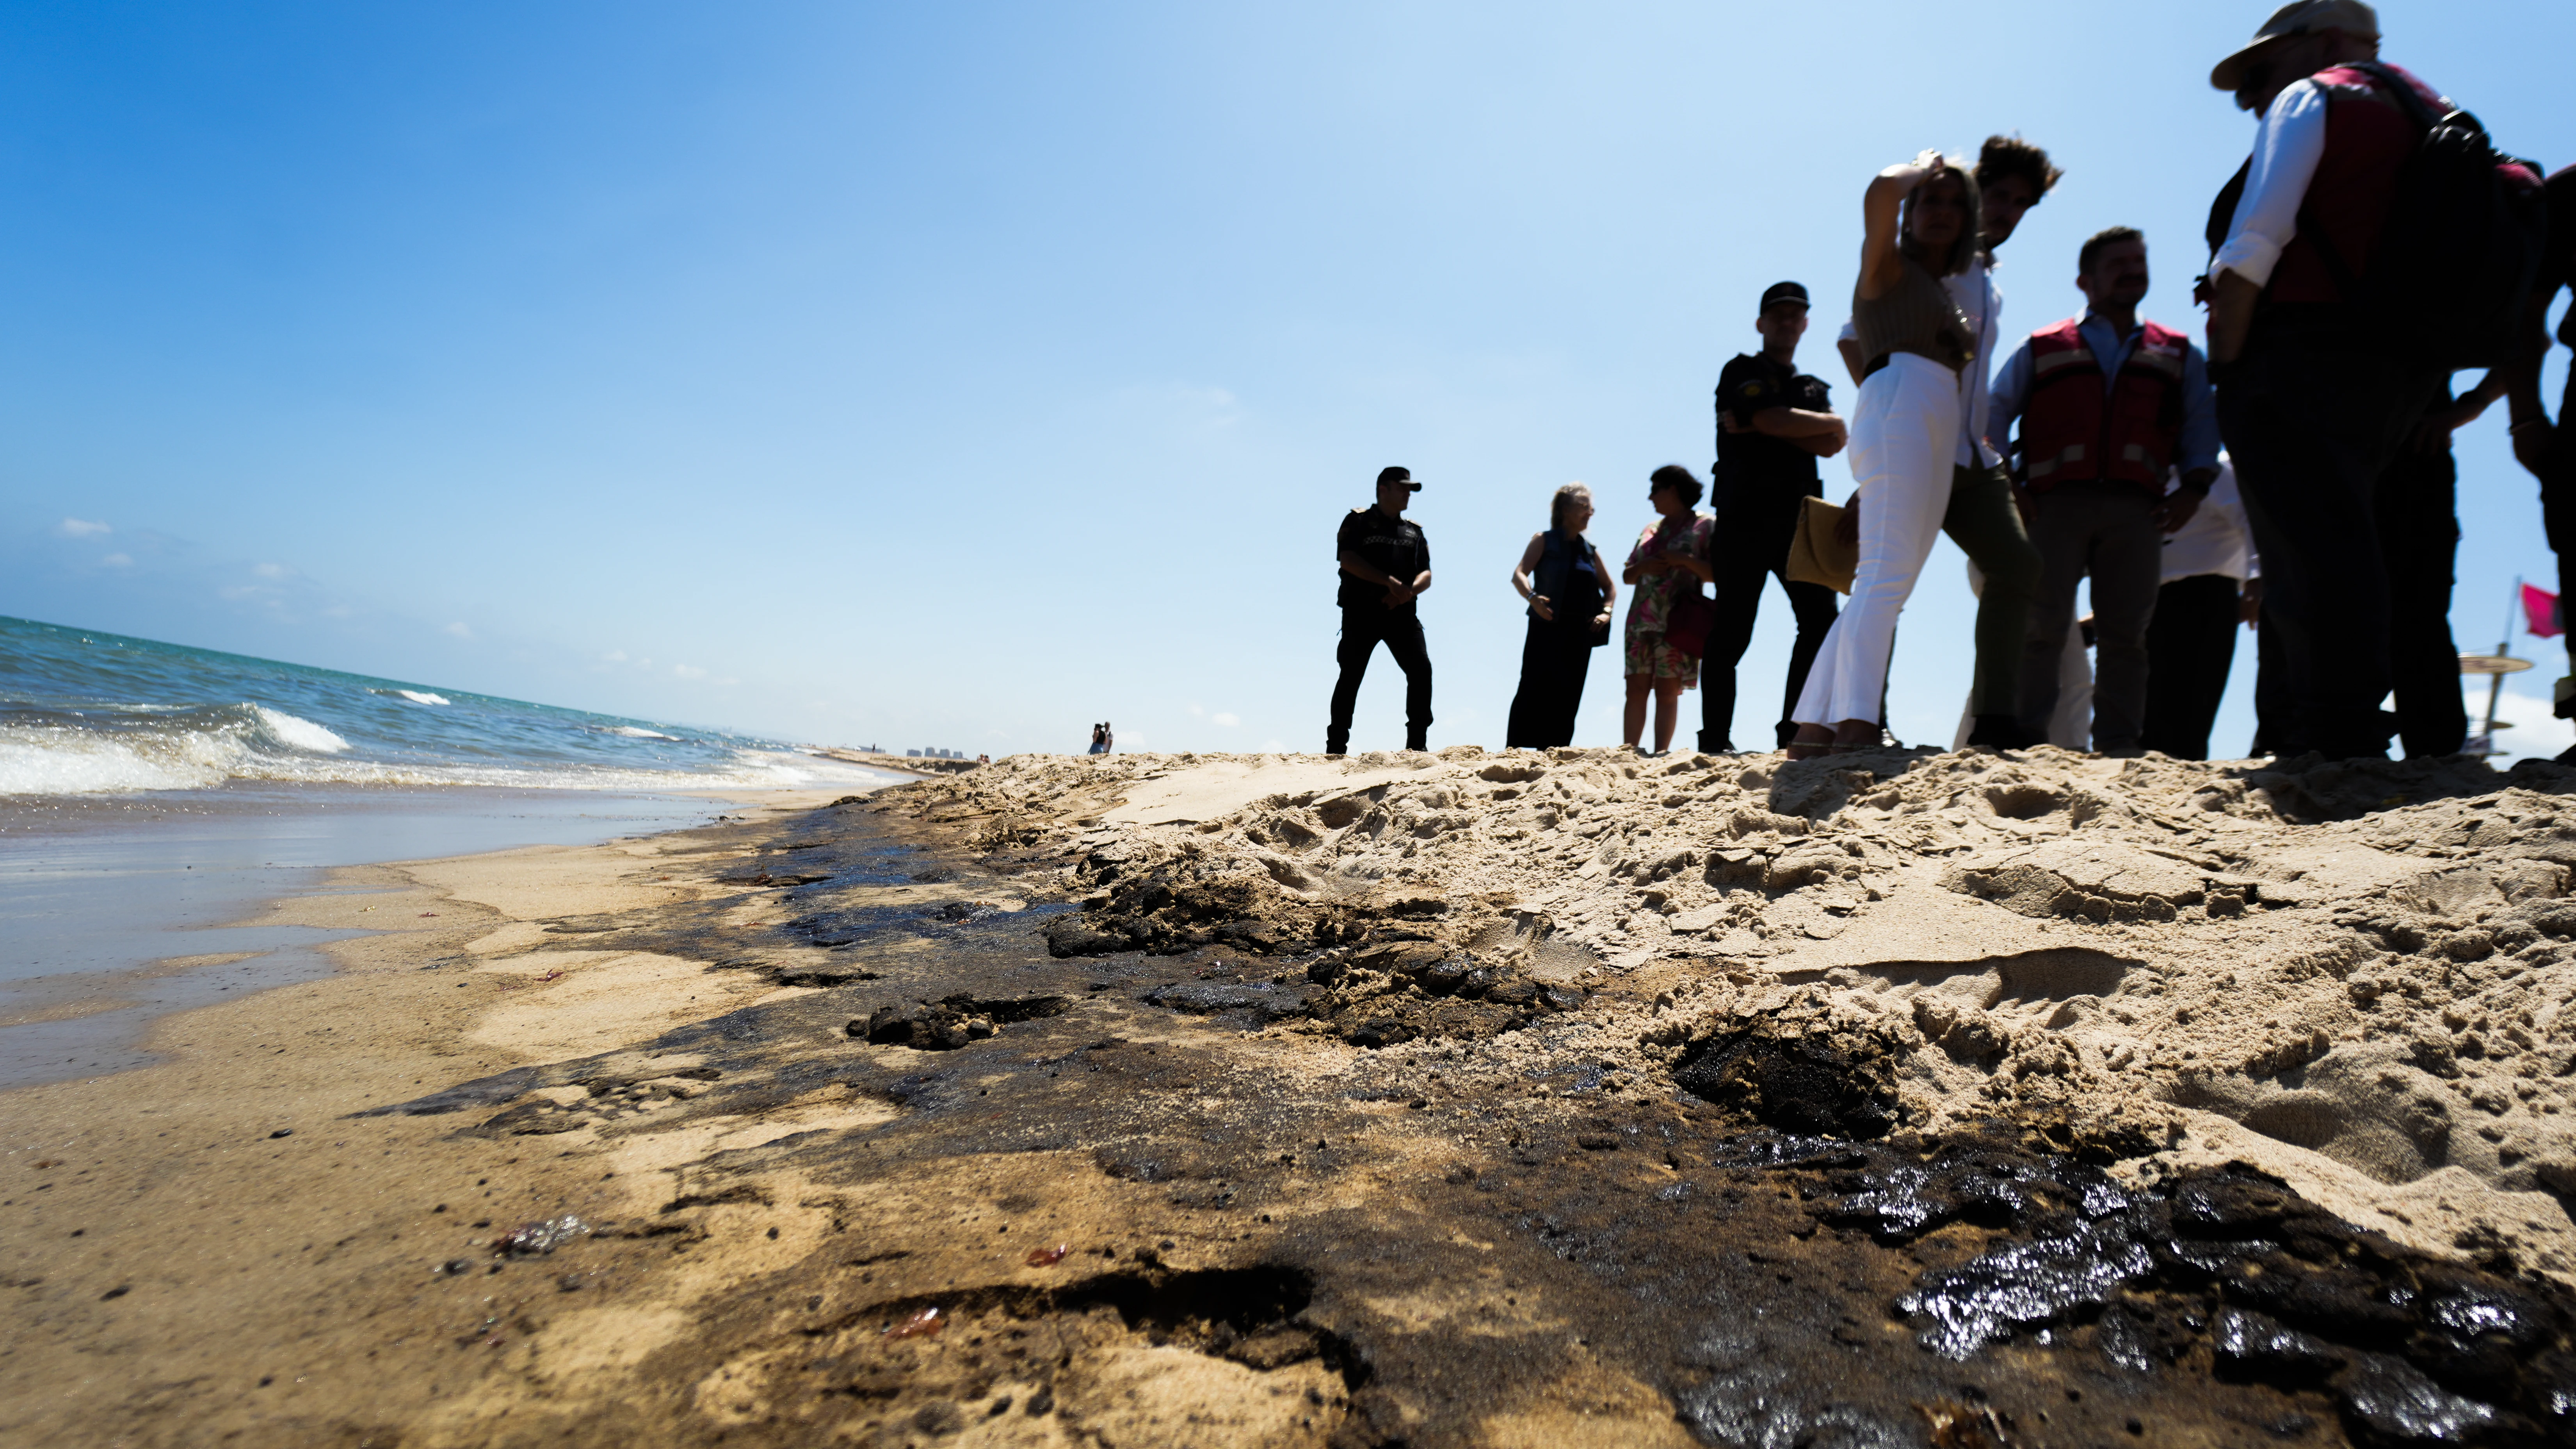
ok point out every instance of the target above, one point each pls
(1554, 662)
(2311, 426)
(2419, 540)
(1362, 631)
(2191, 645)
(1754, 526)
(2558, 505)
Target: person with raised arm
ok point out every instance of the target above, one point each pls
(1919, 225)
(2012, 176)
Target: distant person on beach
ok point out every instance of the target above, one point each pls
(1385, 565)
(2320, 380)
(1571, 599)
(2012, 176)
(1668, 564)
(2114, 412)
(1108, 739)
(1773, 423)
(2547, 450)
(1920, 225)
(1099, 740)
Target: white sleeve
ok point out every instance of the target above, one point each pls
(2287, 146)
(1850, 332)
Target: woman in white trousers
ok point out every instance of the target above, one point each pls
(1921, 225)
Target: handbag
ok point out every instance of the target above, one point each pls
(1816, 554)
(1688, 619)
(1687, 624)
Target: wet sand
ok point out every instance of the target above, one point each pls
(1031, 1107)
(122, 909)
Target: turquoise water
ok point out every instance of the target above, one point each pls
(85, 713)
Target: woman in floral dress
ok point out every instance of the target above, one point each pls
(1669, 562)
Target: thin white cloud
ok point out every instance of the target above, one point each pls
(1228, 720)
(615, 656)
(688, 671)
(83, 528)
(270, 570)
(118, 561)
(459, 630)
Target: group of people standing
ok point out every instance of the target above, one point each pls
(2295, 477)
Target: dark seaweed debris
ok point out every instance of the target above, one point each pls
(2224, 1267)
(1796, 1080)
(950, 1022)
(852, 926)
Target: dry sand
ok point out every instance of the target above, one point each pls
(1391, 1099)
(2357, 979)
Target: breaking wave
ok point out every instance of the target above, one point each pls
(84, 713)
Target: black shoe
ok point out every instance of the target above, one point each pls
(2002, 732)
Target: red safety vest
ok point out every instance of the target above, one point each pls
(2368, 138)
(2071, 429)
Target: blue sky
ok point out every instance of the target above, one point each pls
(960, 375)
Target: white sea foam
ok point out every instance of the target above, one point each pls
(46, 760)
(67, 762)
(423, 696)
(632, 733)
(301, 734)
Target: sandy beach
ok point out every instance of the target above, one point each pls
(1566, 1098)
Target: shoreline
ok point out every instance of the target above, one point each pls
(808, 1076)
(123, 909)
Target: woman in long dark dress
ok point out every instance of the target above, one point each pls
(1570, 596)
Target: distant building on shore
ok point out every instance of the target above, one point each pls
(936, 754)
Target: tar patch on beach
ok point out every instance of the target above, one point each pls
(1401, 1165)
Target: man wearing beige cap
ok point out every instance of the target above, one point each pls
(2314, 390)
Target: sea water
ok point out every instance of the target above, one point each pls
(84, 712)
(154, 796)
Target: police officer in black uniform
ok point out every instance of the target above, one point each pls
(1773, 423)
(1386, 565)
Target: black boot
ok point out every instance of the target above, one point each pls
(2002, 732)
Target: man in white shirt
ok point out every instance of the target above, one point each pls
(2313, 395)
(2012, 176)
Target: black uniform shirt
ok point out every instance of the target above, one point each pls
(1393, 544)
(1750, 384)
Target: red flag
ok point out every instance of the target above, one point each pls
(2540, 613)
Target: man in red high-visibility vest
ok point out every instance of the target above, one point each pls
(2111, 407)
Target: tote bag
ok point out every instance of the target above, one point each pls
(1816, 556)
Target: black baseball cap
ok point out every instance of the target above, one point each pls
(1397, 475)
(1784, 292)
